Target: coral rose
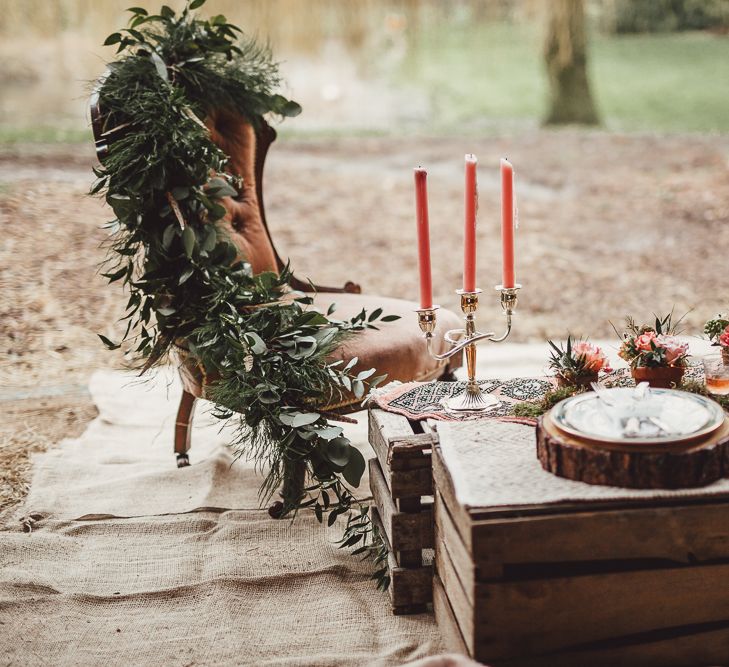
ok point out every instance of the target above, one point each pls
(593, 357)
(675, 349)
(724, 338)
(643, 342)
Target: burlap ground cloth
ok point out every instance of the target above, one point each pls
(132, 561)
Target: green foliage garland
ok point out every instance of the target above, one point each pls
(164, 179)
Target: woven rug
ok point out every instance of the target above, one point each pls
(131, 561)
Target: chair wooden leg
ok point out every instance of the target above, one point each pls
(183, 428)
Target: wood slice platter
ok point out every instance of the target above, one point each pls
(634, 465)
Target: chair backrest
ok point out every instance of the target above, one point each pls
(247, 147)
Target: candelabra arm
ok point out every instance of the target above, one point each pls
(449, 353)
(505, 335)
(427, 320)
(509, 301)
(472, 401)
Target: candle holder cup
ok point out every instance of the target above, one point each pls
(472, 401)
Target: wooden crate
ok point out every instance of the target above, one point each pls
(640, 584)
(402, 485)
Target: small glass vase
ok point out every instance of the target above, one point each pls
(662, 377)
(716, 373)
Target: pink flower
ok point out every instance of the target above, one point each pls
(593, 357)
(675, 349)
(643, 342)
(724, 338)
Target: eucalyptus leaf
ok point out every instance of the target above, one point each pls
(298, 419)
(186, 275)
(169, 235)
(291, 109)
(358, 388)
(328, 432)
(269, 396)
(188, 240)
(109, 344)
(160, 66)
(210, 239)
(114, 276)
(374, 314)
(311, 318)
(217, 211)
(136, 34)
(338, 451)
(255, 342)
(355, 467)
(219, 187)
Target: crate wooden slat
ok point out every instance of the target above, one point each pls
(404, 455)
(700, 647)
(639, 584)
(410, 587)
(406, 531)
(447, 622)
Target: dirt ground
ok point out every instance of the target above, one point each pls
(609, 225)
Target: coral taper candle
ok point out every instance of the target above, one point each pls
(421, 210)
(507, 223)
(469, 236)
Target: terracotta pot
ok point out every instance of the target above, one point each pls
(579, 381)
(665, 377)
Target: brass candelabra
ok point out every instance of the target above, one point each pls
(472, 401)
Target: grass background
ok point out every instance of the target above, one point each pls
(447, 69)
(494, 72)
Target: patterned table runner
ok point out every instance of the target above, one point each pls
(423, 400)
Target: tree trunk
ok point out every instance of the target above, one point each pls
(566, 59)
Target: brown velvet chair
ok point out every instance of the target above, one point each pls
(396, 349)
